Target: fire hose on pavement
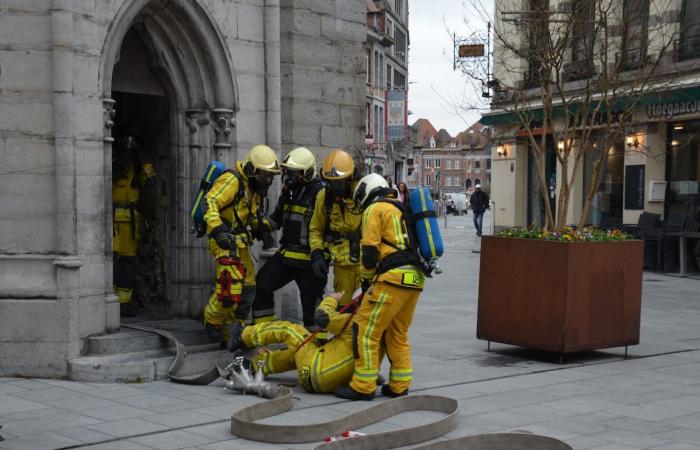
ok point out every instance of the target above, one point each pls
(244, 421)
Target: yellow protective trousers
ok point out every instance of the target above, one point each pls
(319, 368)
(233, 292)
(125, 244)
(386, 311)
(346, 279)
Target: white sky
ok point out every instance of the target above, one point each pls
(435, 90)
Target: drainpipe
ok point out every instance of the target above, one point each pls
(62, 74)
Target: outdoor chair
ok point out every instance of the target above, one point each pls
(646, 220)
(659, 236)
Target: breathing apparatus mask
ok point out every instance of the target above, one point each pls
(292, 178)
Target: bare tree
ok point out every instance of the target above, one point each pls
(570, 76)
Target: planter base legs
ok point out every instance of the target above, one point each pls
(488, 346)
(625, 351)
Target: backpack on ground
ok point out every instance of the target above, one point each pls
(214, 171)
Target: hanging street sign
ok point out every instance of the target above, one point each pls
(471, 50)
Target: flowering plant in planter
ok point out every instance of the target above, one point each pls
(566, 234)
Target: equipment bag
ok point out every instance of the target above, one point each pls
(214, 170)
(426, 226)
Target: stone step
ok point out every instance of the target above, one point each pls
(188, 332)
(151, 365)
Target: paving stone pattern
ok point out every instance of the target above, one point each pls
(596, 400)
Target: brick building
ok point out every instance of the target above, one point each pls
(450, 164)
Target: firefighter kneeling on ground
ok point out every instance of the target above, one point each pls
(321, 367)
(133, 178)
(392, 279)
(335, 226)
(232, 211)
(292, 261)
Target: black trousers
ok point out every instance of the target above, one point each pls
(274, 275)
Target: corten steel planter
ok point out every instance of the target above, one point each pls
(560, 296)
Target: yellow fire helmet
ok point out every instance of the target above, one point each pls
(302, 159)
(262, 157)
(338, 165)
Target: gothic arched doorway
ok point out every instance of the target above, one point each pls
(166, 72)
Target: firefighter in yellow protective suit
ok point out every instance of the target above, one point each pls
(393, 280)
(334, 233)
(292, 261)
(233, 213)
(132, 175)
(321, 367)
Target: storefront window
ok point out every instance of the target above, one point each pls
(535, 201)
(683, 169)
(607, 204)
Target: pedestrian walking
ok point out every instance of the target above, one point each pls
(403, 193)
(479, 202)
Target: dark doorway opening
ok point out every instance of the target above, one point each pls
(143, 107)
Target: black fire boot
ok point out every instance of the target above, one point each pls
(349, 393)
(127, 309)
(235, 340)
(389, 393)
(380, 379)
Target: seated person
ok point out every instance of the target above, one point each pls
(321, 367)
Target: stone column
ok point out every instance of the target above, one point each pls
(68, 295)
(112, 318)
(63, 114)
(197, 124)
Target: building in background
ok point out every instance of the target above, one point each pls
(387, 144)
(654, 167)
(450, 164)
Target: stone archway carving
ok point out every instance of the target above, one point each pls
(189, 55)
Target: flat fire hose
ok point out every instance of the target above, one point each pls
(244, 425)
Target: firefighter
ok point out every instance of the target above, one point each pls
(233, 212)
(292, 261)
(334, 234)
(321, 367)
(392, 279)
(133, 178)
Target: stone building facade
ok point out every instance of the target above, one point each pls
(386, 63)
(204, 79)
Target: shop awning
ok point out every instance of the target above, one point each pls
(677, 95)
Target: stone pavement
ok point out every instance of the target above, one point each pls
(596, 400)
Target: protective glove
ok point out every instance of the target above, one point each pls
(321, 318)
(223, 237)
(319, 266)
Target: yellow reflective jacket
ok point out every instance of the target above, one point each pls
(384, 229)
(334, 235)
(223, 204)
(331, 365)
(125, 191)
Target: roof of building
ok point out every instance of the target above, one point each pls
(477, 135)
(443, 137)
(425, 131)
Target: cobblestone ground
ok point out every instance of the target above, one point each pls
(596, 400)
